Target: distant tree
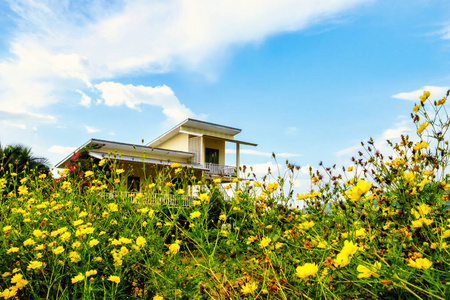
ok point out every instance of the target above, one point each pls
(20, 160)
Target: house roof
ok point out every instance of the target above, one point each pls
(138, 149)
(130, 158)
(198, 126)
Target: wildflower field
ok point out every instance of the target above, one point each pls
(377, 229)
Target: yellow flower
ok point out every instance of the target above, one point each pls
(120, 171)
(39, 247)
(265, 242)
(251, 239)
(12, 250)
(76, 244)
(441, 101)
(421, 145)
(195, 214)
(115, 279)
(446, 234)
(93, 242)
(416, 108)
(175, 165)
(422, 127)
(74, 257)
(343, 258)
(124, 251)
(360, 232)
(78, 222)
(424, 96)
(366, 272)
(350, 169)
(125, 240)
(180, 192)
(174, 248)
(113, 207)
(78, 278)
(140, 241)
(409, 177)
(420, 263)
(88, 173)
(91, 273)
(222, 217)
(218, 180)
(322, 245)
(158, 297)
(422, 184)
(58, 250)
(203, 197)
(38, 233)
(19, 281)
(65, 236)
(249, 288)
(272, 187)
(23, 190)
(33, 265)
(356, 192)
(416, 223)
(9, 293)
(306, 270)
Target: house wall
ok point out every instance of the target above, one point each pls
(152, 173)
(215, 144)
(179, 142)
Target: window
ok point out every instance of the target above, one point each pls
(211, 156)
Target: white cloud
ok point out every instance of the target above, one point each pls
(291, 130)
(260, 153)
(116, 94)
(393, 134)
(437, 92)
(56, 49)
(445, 32)
(15, 124)
(61, 149)
(85, 99)
(91, 129)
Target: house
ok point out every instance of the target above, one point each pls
(192, 143)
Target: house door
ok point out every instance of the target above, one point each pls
(211, 156)
(134, 184)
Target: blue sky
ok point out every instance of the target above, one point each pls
(307, 80)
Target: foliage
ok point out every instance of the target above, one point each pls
(376, 230)
(17, 161)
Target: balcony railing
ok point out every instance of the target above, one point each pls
(153, 199)
(222, 170)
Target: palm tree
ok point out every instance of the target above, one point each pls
(18, 158)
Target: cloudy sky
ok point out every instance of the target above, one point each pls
(307, 80)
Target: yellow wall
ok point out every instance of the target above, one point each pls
(179, 142)
(215, 144)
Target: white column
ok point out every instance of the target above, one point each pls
(237, 163)
(202, 152)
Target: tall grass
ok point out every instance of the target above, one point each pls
(377, 229)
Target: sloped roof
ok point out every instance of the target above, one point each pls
(139, 149)
(195, 124)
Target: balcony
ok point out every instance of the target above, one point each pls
(153, 199)
(220, 170)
